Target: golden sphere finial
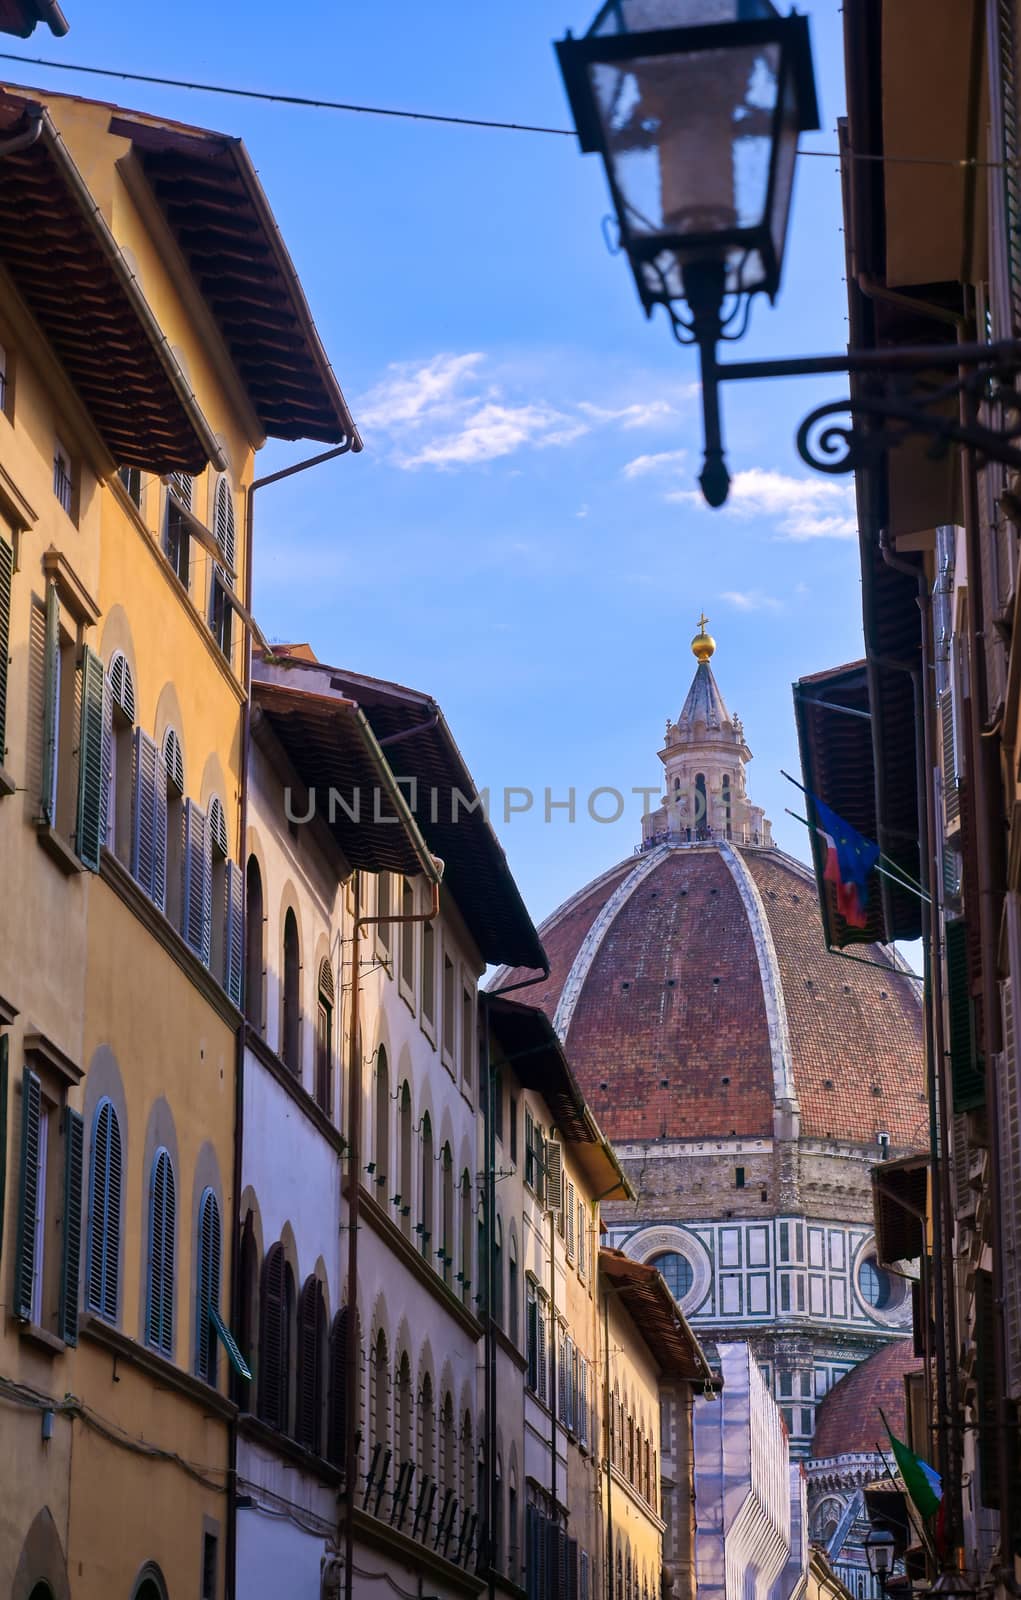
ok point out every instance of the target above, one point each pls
(703, 645)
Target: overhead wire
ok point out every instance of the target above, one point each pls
(311, 103)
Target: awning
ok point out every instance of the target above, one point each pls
(218, 212)
(442, 794)
(900, 1197)
(71, 274)
(21, 17)
(331, 746)
(656, 1314)
(522, 1037)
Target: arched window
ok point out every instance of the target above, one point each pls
(102, 1258)
(207, 1289)
(311, 1365)
(255, 918)
(481, 1257)
(467, 1462)
(290, 1047)
(119, 722)
(701, 807)
(429, 972)
(408, 935)
(466, 1237)
(248, 1330)
(324, 1038)
(381, 1150)
(218, 852)
(275, 1339)
(173, 772)
(220, 609)
(445, 1255)
(447, 1445)
(428, 1181)
(380, 1393)
(726, 804)
(404, 1176)
(427, 1428)
(176, 537)
(159, 1300)
(341, 1353)
(498, 1273)
(403, 1410)
(677, 1271)
(513, 1291)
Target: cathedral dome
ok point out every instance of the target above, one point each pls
(692, 986)
(848, 1421)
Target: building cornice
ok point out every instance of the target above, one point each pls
(156, 1366)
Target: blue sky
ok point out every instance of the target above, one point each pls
(519, 536)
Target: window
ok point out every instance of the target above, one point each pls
(255, 918)
(537, 1368)
(6, 386)
(581, 1232)
(159, 1300)
(6, 579)
(219, 909)
(196, 893)
(209, 1566)
(384, 899)
(467, 1040)
(531, 1165)
(149, 820)
(324, 1037)
(467, 1463)
(118, 756)
(290, 1038)
(512, 1118)
(875, 1284)
(404, 1172)
(427, 1425)
(402, 1416)
(131, 478)
(276, 1340)
(207, 1295)
(497, 1104)
(102, 1257)
(63, 478)
(221, 611)
(340, 1355)
(465, 1273)
(176, 535)
(739, 1177)
(449, 1020)
(408, 935)
(68, 718)
(380, 1393)
(381, 1149)
(513, 1292)
(445, 1254)
(173, 782)
(429, 972)
(248, 1327)
(569, 1220)
(49, 1209)
(497, 1273)
(425, 1224)
(447, 1450)
(677, 1271)
(311, 1364)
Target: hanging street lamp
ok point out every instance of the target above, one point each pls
(696, 108)
(879, 1552)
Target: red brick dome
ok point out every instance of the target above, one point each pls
(848, 1421)
(696, 997)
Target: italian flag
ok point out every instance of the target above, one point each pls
(924, 1485)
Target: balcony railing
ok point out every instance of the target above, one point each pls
(416, 1505)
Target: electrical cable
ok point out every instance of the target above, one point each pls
(308, 102)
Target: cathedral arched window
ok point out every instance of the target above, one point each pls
(677, 1271)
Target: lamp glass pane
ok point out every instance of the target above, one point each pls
(785, 157)
(688, 141)
(635, 16)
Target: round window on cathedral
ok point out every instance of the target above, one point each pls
(880, 1292)
(677, 1270)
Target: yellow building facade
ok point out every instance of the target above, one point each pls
(132, 401)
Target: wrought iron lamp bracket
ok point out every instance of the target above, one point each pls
(964, 394)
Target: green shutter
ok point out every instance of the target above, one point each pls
(6, 576)
(24, 1276)
(74, 1129)
(5, 1044)
(47, 800)
(89, 831)
(966, 1068)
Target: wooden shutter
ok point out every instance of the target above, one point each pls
(162, 1236)
(149, 821)
(51, 707)
(233, 942)
(555, 1176)
(310, 1364)
(28, 1200)
(532, 1340)
(1008, 97)
(1009, 1094)
(70, 1266)
(5, 1045)
(569, 1218)
(951, 777)
(198, 870)
(109, 799)
(336, 1428)
(102, 1266)
(271, 1344)
(207, 1292)
(223, 522)
(966, 1069)
(91, 808)
(6, 579)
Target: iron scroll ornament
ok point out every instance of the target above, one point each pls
(884, 415)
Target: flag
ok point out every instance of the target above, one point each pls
(849, 859)
(924, 1485)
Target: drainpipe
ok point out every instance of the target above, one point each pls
(487, 1075)
(946, 1370)
(230, 1553)
(354, 1170)
(28, 136)
(554, 1352)
(607, 1442)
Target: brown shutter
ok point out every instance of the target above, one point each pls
(310, 1377)
(31, 1113)
(272, 1377)
(340, 1354)
(70, 1271)
(966, 1068)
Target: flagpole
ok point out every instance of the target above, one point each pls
(930, 1547)
(894, 876)
(908, 879)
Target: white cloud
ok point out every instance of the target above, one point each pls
(805, 508)
(664, 459)
(409, 392)
(648, 415)
(496, 430)
(750, 600)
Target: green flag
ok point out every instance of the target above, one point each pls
(923, 1484)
